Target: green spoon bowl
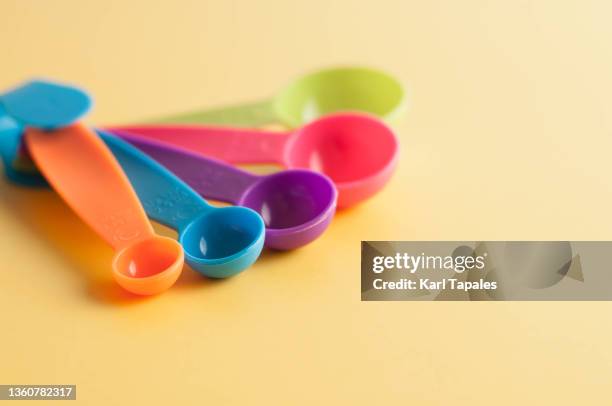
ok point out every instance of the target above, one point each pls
(339, 90)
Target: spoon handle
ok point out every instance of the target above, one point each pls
(10, 138)
(10, 133)
(47, 105)
(254, 114)
(210, 178)
(84, 172)
(166, 198)
(227, 144)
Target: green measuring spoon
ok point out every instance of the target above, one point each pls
(311, 96)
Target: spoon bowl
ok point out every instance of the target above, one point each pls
(296, 206)
(339, 90)
(148, 266)
(357, 152)
(224, 241)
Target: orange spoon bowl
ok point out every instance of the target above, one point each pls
(148, 266)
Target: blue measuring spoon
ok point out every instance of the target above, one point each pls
(218, 242)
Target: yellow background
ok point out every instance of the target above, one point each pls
(508, 137)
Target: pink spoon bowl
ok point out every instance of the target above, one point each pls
(358, 152)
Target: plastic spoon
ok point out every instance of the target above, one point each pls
(296, 205)
(310, 96)
(83, 171)
(358, 152)
(218, 242)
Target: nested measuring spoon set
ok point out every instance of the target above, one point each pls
(338, 153)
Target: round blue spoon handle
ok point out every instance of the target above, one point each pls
(37, 103)
(46, 105)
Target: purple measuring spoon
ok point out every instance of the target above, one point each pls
(296, 205)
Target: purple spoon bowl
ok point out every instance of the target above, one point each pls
(296, 206)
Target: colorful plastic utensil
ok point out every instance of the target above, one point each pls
(218, 242)
(311, 96)
(46, 105)
(83, 171)
(296, 205)
(358, 152)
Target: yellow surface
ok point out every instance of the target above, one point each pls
(509, 137)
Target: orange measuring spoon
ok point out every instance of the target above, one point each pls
(86, 175)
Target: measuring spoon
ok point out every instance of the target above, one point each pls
(311, 96)
(296, 205)
(83, 171)
(218, 242)
(358, 152)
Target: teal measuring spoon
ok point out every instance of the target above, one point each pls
(309, 97)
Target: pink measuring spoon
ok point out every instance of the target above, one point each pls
(357, 151)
